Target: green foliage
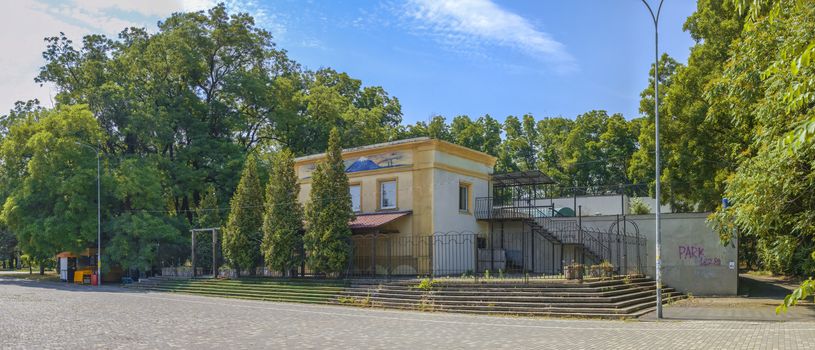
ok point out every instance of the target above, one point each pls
(773, 208)
(137, 231)
(426, 284)
(242, 234)
(327, 238)
(806, 290)
(638, 207)
(283, 216)
(51, 181)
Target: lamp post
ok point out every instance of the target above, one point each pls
(98, 213)
(655, 18)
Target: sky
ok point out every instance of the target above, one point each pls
(438, 57)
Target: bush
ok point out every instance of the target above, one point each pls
(638, 207)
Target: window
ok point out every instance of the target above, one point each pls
(387, 195)
(464, 197)
(356, 198)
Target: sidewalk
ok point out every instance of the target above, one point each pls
(759, 296)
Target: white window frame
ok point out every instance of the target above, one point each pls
(382, 194)
(358, 187)
(466, 188)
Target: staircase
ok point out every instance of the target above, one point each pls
(539, 220)
(615, 299)
(569, 232)
(619, 298)
(304, 291)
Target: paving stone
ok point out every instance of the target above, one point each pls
(43, 315)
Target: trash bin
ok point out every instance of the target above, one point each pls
(86, 279)
(94, 280)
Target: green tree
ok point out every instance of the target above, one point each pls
(242, 234)
(283, 216)
(519, 150)
(327, 238)
(51, 181)
(771, 187)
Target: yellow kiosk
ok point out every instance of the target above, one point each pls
(77, 268)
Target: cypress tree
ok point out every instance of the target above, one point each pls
(283, 217)
(242, 234)
(207, 215)
(327, 239)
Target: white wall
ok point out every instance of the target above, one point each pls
(446, 216)
(454, 249)
(601, 205)
(693, 259)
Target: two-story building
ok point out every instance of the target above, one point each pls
(404, 194)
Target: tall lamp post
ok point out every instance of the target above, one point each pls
(655, 18)
(98, 213)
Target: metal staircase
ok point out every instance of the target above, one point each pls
(538, 218)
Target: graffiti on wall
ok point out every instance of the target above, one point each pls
(697, 253)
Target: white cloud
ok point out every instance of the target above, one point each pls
(470, 25)
(158, 8)
(24, 24)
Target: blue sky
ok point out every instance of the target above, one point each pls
(474, 57)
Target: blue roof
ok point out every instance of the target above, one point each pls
(361, 165)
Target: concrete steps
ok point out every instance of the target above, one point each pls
(605, 299)
(615, 298)
(253, 289)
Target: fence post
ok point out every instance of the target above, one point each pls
(192, 252)
(373, 255)
(580, 237)
(390, 258)
(214, 253)
(625, 246)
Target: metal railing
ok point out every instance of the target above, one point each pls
(593, 245)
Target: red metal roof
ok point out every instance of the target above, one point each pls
(374, 220)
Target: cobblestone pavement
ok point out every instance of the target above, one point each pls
(42, 315)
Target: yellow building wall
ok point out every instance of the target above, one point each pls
(425, 166)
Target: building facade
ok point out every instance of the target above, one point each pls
(408, 196)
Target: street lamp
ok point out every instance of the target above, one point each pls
(655, 18)
(98, 213)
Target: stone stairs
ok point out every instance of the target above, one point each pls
(617, 298)
(611, 298)
(298, 291)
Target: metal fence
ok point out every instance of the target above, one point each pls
(510, 253)
(522, 247)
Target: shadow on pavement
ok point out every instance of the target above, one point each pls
(65, 286)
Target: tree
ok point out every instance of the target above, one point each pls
(327, 238)
(242, 234)
(638, 207)
(283, 216)
(51, 199)
(771, 187)
(519, 150)
(184, 105)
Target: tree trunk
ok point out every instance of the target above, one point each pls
(42, 268)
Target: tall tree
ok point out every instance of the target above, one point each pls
(771, 189)
(283, 216)
(327, 239)
(242, 234)
(51, 181)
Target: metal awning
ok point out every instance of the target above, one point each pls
(374, 220)
(521, 178)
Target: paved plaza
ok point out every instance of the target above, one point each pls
(42, 315)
